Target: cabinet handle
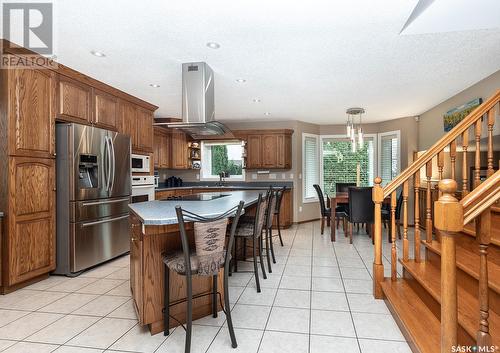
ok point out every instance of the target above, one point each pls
(54, 189)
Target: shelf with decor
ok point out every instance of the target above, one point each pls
(194, 156)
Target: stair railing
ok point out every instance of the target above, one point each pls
(488, 113)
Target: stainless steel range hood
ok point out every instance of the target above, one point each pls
(198, 110)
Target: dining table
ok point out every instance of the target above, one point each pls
(343, 198)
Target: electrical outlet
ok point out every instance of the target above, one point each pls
(197, 176)
(283, 176)
(272, 176)
(254, 176)
(300, 208)
(291, 175)
(300, 175)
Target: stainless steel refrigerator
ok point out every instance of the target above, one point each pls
(93, 193)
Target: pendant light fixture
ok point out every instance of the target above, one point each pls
(352, 129)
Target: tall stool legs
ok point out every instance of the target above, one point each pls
(166, 301)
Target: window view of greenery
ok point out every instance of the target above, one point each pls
(340, 163)
(222, 162)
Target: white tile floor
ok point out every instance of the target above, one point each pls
(318, 299)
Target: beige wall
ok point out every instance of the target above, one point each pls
(430, 127)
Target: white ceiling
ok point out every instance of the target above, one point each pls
(305, 60)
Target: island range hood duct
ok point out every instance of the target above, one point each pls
(198, 109)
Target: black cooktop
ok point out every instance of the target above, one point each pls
(197, 197)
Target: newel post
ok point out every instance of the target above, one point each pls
(448, 220)
(378, 267)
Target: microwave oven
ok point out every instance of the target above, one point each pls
(140, 163)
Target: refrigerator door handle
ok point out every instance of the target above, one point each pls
(113, 163)
(108, 164)
(95, 203)
(88, 224)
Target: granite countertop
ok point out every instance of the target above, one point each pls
(234, 186)
(163, 212)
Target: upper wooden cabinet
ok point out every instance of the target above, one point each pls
(105, 110)
(74, 100)
(138, 124)
(31, 123)
(178, 150)
(161, 149)
(270, 149)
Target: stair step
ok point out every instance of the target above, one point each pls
(429, 277)
(468, 260)
(469, 229)
(420, 326)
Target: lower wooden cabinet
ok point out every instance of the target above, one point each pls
(136, 260)
(30, 238)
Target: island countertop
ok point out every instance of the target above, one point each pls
(162, 212)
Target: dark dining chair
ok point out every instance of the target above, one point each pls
(209, 256)
(343, 187)
(361, 209)
(279, 198)
(326, 211)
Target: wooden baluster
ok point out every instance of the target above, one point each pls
(465, 145)
(405, 221)
(477, 160)
(491, 122)
(416, 182)
(440, 163)
(394, 251)
(428, 210)
(378, 266)
(448, 219)
(453, 159)
(483, 234)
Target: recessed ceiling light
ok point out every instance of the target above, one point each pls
(256, 100)
(97, 53)
(213, 45)
(241, 80)
(154, 85)
(267, 113)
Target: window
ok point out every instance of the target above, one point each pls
(339, 164)
(220, 157)
(389, 164)
(310, 167)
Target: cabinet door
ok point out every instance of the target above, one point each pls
(136, 258)
(178, 143)
(127, 122)
(254, 151)
(280, 151)
(31, 237)
(157, 142)
(74, 100)
(165, 151)
(144, 130)
(269, 151)
(31, 116)
(105, 110)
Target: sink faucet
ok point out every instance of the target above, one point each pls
(222, 175)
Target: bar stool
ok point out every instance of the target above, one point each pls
(279, 199)
(251, 228)
(208, 258)
(271, 207)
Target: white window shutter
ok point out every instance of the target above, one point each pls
(311, 165)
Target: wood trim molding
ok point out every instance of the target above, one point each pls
(481, 198)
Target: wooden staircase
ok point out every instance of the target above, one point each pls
(449, 293)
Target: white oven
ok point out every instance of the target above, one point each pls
(143, 188)
(140, 163)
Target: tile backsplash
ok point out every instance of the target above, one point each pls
(250, 175)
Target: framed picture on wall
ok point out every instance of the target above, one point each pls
(453, 116)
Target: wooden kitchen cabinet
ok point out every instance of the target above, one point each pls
(286, 210)
(31, 225)
(254, 151)
(179, 150)
(271, 149)
(136, 261)
(161, 149)
(30, 113)
(144, 130)
(105, 110)
(74, 101)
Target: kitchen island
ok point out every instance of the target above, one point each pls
(154, 231)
